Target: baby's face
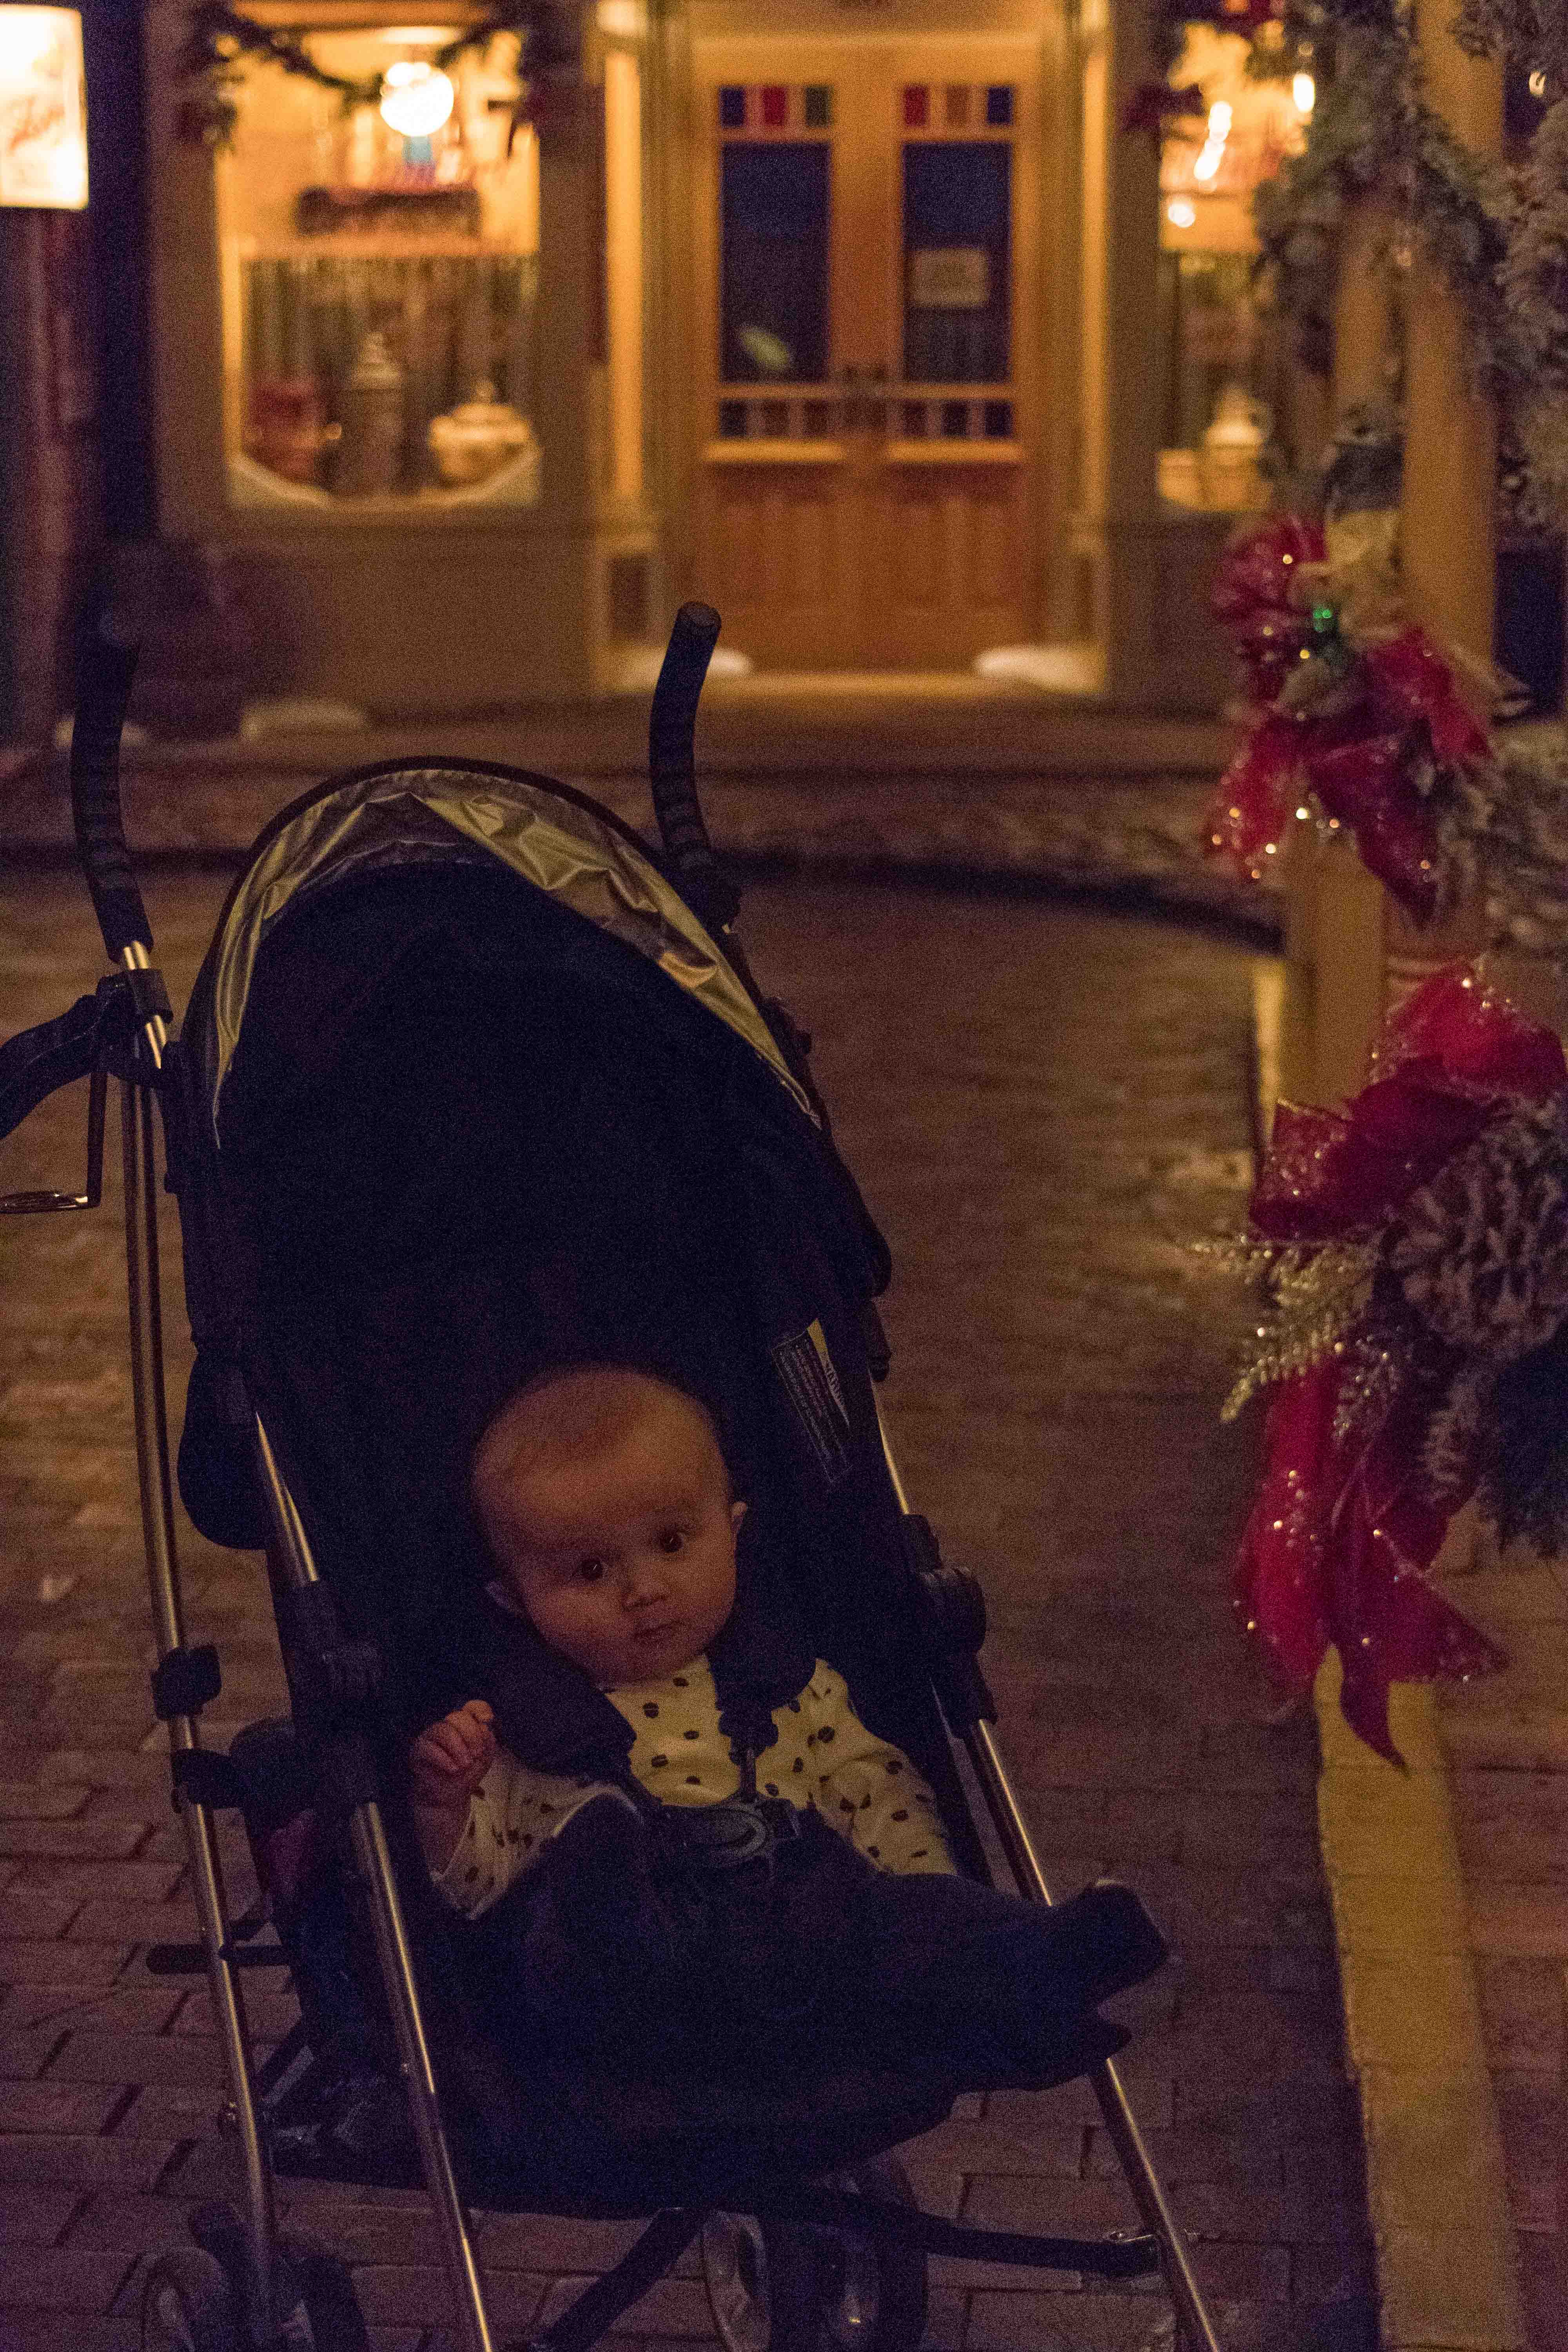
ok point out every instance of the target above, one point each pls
(625, 1563)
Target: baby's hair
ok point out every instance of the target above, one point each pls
(579, 1410)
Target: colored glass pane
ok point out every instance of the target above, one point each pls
(957, 105)
(999, 105)
(732, 107)
(818, 105)
(917, 106)
(775, 107)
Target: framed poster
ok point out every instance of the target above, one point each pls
(43, 108)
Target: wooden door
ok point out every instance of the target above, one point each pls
(864, 339)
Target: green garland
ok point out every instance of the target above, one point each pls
(1498, 233)
(218, 39)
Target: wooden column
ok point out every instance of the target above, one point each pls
(1335, 949)
(1448, 521)
(1120, 410)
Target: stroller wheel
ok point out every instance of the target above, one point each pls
(324, 2289)
(781, 2286)
(762, 2281)
(187, 2305)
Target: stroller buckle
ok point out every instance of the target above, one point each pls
(729, 1835)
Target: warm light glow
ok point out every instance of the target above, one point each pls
(43, 116)
(415, 98)
(1221, 117)
(1303, 93)
(1180, 213)
(1538, 84)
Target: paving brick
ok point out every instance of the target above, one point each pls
(61, 2278)
(404, 2293)
(163, 2058)
(103, 1881)
(144, 2007)
(116, 1921)
(672, 2307)
(36, 1911)
(56, 2331)
(1054, 2322)
(84, 2160)
(55, 2106)
(24, 2055)
(33, 1801)
(24, 1960)
(109, 1840)
(119, 2221)
(34, 2216)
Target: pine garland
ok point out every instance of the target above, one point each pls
(1498, 235)
(218, 39)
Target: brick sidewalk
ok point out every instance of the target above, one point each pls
(1070, 1110)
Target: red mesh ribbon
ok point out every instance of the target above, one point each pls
(1362, 764)
(1345, 1525)
(1336, 1551)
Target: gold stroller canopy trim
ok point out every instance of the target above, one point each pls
(389, 816)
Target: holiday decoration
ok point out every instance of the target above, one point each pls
(1498, 232)
(218, 38)
(1372, 724)
(1359, 716)
(1413, 1249)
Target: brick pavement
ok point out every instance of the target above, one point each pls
(1069, 1109)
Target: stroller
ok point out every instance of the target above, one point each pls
(468, 1066)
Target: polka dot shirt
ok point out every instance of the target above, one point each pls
(824, 1756)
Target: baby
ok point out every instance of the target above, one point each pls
(606, 1504)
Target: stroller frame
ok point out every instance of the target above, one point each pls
(124, 1032)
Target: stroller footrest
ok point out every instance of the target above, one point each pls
(191, 1959)
(1133, 2255)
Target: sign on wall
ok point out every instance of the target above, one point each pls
(950, 277)
(43, 108)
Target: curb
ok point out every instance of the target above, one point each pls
(1444, 2237)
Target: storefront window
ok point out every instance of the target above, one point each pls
(1222, 365)
(380, 277)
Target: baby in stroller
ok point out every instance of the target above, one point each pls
(665, 1903)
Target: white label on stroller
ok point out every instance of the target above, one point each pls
(811, 1383)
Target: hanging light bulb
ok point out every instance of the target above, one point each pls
(1212, 148)
(1181, 212)
(416, 99)
(1303, 93)
(1538, 84)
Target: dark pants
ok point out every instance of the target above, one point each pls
(616, 1944)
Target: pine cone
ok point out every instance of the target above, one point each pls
(1481, 1252)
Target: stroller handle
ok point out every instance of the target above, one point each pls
(105, 665)
(671, 763)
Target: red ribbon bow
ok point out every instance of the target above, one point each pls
(1345, 1525)
(1359, 762)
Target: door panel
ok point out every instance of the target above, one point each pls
(866, 320)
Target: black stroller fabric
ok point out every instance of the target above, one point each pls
(465, 1135)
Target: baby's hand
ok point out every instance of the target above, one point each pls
(449, 1760)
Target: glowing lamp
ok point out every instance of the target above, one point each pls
(1538, 84)
(1180, 213)
(1303, 93)
(416, 99)
(43, 112)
